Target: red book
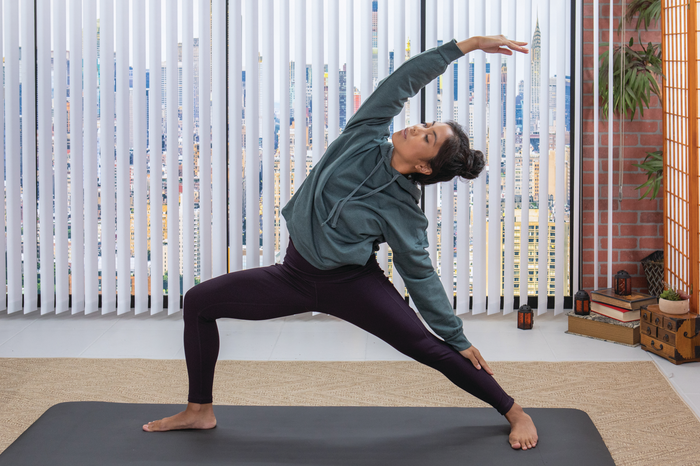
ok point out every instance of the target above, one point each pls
(614, 312)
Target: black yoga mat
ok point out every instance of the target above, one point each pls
(97, 433)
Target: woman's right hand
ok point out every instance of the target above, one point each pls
(492, 44)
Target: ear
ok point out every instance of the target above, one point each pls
(424, 168)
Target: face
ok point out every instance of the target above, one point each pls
(417, 144)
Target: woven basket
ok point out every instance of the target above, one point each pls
(653, 266)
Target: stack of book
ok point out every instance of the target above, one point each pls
(623, 308)
(614, 318)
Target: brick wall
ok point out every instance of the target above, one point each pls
(637, 224)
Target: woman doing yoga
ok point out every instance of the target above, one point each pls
(363, 192)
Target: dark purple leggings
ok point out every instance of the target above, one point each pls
(361, 295)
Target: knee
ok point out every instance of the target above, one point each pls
(192, 303)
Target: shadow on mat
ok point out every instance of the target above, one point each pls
(234, 445)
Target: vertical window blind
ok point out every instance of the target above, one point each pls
(171, 133)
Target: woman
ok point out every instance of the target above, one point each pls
(363, 192)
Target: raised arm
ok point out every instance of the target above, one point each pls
(391, 94)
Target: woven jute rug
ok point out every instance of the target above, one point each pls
(639, 415)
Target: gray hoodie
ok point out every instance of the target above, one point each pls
(353, 199)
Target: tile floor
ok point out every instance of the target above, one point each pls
(307, 337)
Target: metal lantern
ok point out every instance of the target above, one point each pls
(622, 285)
(582, 303)
(525, 317)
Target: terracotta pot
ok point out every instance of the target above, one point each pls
(674, 307)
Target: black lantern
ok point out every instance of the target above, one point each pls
(525, 317)
(582, 303)
(623, 283)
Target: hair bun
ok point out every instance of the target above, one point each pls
(473, 165)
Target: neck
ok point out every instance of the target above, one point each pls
(400, 165)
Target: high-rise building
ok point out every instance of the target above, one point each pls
(292, 90)
(504, 88)
(342, 97)
(568, 103)
(375, 46)
(552, 101)
(535, 58)
(519, 113)
(195, 58)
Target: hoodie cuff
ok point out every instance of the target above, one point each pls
(450, 51)
(459, 342)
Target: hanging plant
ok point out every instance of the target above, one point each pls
(641, 69)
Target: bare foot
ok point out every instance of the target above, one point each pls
(523, 433)
(195, 416)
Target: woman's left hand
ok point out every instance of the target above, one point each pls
(492, 44)
(474, 356)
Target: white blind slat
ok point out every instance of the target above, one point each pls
(333, 71)
(525, 191)
(399, 44)
(509, 223)
(3, 166)
(106, 178)
(415, 102)
(172, 162)
(560, 197)
(123, 125)
(90, 180)
(268, 134)
(463, 189)
(60, 155)
(29, 146)
(188, 219)
(611, 120)
(252, 154)
(77, 257)
(494, 168)
(220, 197)
(12, 145)
(156, 153)
(205, 217)
(446, 189)
(285, 105)
(317, 81)
(430, 116)
(140, 160)
(300, 128)
(236, 136)
(349, 60)
(576, 158)
(45, 156)
(543, 200)
(479, 226)
(382, 72)
(596, 138)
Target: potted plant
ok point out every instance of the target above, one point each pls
(674, 302)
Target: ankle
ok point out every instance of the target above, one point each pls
(514, 411)
(200, 408)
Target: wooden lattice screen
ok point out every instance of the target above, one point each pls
(679, 28)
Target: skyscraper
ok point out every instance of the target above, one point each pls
(375, 45)
(343, 97)
(535, 92)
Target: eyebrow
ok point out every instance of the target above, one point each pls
(435, 141)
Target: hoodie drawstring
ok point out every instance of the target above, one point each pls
(338, 207)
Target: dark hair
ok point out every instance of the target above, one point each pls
(454, 158)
